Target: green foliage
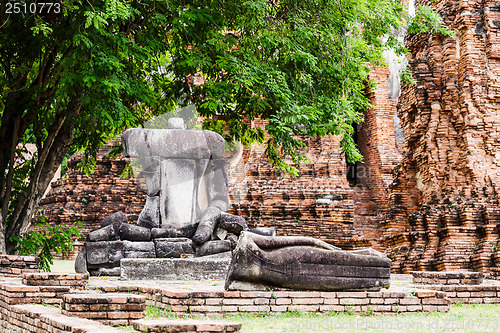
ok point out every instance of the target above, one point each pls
(427, 20)
(74, 79)
(49, 239)
(154, 312)
(302, 66)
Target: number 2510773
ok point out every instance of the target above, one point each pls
(32, 8)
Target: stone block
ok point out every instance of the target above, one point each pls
(107, 233)
(163, 233)
(353, 301)
(280, 308)
(104, 252)
(115, 220)
(138, 249)
(307, 301)
(237, 301)
(410, 301)
(380, 308)
(283, 301)
(331, 307)
(173, 247)
(304, 308)
(213, 301)
(174, 269)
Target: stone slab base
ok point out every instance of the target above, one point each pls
(168, 325)
(174, 269)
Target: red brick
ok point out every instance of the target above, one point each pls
(353, 301)
(351, 294)
(254, 308)
(213, 301)
(307, 301)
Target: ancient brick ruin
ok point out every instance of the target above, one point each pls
(88, 199)
(430, 201)
(444, 211)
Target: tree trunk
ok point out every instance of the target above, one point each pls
(49, 157)
(37, 187)
(3, 244)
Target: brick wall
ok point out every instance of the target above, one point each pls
(431, 201)
(444, 211)
(290, 204)
(12, 265)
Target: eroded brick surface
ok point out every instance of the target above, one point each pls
(430, 201)
(444, 211)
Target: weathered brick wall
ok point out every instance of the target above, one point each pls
(108, 309)
(290, 204)
(77, 197)
(346, 214)
(444, 201)
(381, 154)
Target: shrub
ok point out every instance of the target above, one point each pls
(48, 239)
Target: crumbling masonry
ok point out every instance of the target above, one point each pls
(430, 198)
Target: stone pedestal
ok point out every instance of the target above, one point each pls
(174, 268)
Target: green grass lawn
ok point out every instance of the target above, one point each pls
(460, 318)
(63, 266)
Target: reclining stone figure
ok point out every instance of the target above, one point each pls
(304, 263)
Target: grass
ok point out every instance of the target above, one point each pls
(460, 318)
(154, 312)
(63, 266)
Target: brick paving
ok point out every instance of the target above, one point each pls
(112, 301)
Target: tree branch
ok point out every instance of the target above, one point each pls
(52, 148)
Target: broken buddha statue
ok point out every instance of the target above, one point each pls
(303, 263)
(186, 181)
(187, 196)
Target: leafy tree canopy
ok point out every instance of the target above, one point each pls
(77, 73)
